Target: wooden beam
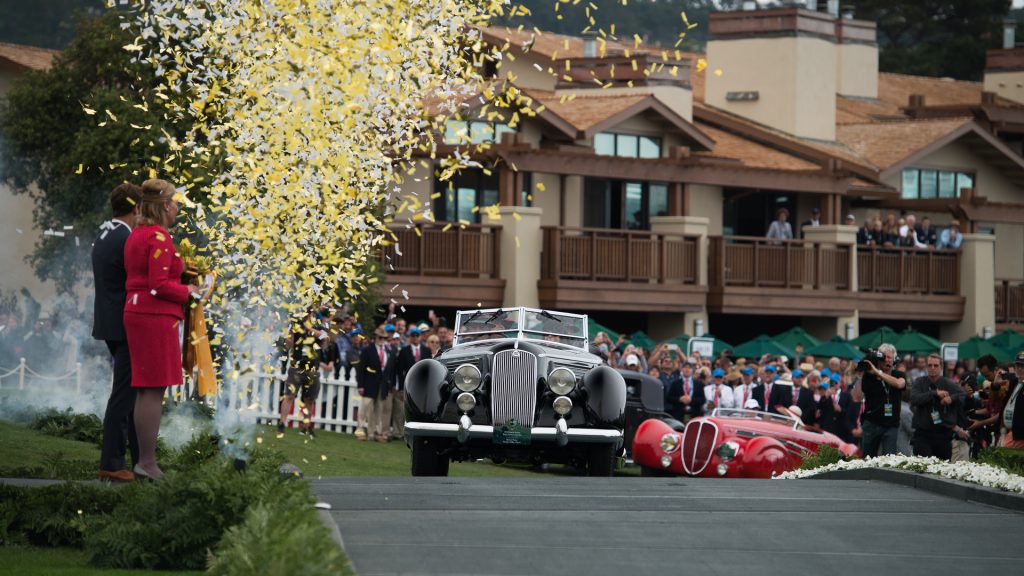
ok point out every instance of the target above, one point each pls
(507, 187)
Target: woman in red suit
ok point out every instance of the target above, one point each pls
(153, 312)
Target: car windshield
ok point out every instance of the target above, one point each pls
(559, 327)
(757, 415)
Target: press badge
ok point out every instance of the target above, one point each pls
(888, 410)
(936, 417)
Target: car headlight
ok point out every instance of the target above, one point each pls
(467, 378)
(466, 401)
(670, 443)
(561, 381)
(727, 451)
(562, 405)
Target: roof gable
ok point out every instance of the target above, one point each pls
(27, 56)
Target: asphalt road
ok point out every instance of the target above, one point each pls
(626, 526)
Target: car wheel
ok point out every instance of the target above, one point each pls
(425, 458)
(601, 460)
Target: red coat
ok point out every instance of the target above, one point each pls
(154, 273)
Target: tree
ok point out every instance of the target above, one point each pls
(72, 133)
(935, 37)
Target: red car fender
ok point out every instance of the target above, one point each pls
(764, 456)
(647, 450)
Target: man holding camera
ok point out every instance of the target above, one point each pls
(936, 402)
(881, 390)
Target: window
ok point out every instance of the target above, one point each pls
(469, 189)
(618, 204)
(930, 184)
(474, 132)
(627, 145)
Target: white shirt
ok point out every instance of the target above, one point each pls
(741, 394)
(725, 397)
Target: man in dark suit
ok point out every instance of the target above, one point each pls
(412, 353)
(768, 394)
(814, 221)
(108, 325)
(685, 397)
(375, 377)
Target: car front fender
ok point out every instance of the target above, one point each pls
(606, 396)
(424, 387)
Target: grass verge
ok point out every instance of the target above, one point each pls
(34, 561)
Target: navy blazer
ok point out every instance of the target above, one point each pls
(109, 277)
(781, 394)
(369, 375)
(405, 361)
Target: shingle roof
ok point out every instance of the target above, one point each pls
(886, 143)
(551, 45)
(587, 110)
(751, 153)
(27, 56)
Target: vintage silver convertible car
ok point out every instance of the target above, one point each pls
(517, 385)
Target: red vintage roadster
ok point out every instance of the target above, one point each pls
(730, 443)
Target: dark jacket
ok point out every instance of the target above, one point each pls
(682, 411)
(924, 399)
(109, 276)
(780, 394)
(370, 377)
(406, 359)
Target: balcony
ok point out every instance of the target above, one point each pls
(604, 269)
(909, 283)
(1010, 302)
(445, 265)
(751, 275)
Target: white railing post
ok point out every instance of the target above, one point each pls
(21, 374)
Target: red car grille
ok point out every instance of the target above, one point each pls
(699, 440)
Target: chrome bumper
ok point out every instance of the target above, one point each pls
(581, 435)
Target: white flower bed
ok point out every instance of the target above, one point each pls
(973, 472)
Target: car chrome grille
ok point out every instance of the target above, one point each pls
(699, 440)
(514, 387)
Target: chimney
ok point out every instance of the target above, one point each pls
(1009, 33)
(1004, 67)
(590, 44)
(857, 58)
(786, 58)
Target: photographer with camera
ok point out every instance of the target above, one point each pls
(881, 389)
(936, 402)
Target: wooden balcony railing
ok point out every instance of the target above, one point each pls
(605, 255)
(759, 262)
(908, 270)
(427, 249)
(1010, 301)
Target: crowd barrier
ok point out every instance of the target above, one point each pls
(22, 372)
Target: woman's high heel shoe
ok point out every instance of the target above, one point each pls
(143, 475)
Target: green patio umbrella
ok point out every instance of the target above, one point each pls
(760, 346)
(917, 343)
(594, 328)
(976, 347)
(1009, 340)
(837, 347)
(796, 335)
(641, 339)
(875, 338)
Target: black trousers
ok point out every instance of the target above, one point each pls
(119, 419)
(937, 442)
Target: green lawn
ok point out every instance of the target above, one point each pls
(23, 448)
(60, 562)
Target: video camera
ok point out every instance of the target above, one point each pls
(873, 356)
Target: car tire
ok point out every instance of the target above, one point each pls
(601, 460)
(425, 458)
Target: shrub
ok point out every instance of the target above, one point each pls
(172, 524)
(55, 466)
(282, 537)
(66, 424)
(1009, 459)
(826, 455)
(54, 515)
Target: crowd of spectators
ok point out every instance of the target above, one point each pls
(906, 232)
(835, 395)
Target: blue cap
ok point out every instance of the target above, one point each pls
(770, 368)
(826, 373)
(747, 371)
(798, 373)
(824, 385)
(835, 377)
(718, 373)
(414, 331)
(355, 332)
(389, 327)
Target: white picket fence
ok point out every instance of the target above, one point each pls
(336, 407)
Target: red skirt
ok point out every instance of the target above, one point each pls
(155, 349)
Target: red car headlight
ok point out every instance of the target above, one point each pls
(670, 443)
(727, 450)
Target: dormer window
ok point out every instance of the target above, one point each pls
(927, 184)
(627, 145)
(475, 132)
